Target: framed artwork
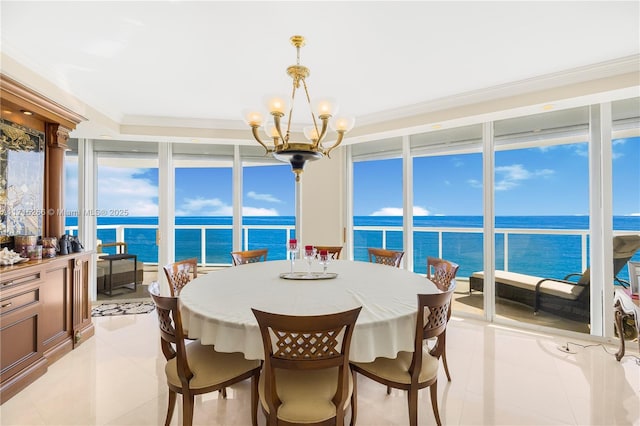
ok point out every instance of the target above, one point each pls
(21, 181)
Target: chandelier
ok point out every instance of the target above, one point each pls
(282, 148)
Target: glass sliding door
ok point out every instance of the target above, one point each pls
(127, 203)
(203, 202)
(377, 197)
(447, 213)
(542, 219)
(626, 181)
(268, 203)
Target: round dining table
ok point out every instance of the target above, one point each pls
(216, 307)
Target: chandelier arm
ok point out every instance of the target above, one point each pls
(335, 145)
(321, 135)
(276, 123)
(254, 130)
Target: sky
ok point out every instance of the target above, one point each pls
(529, 182)
(534, 181)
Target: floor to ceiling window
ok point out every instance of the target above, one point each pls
(447, 212)
(541, 194)
(203, 202)
(127, 203)
(377, 196)
(626, 177)
(268, 203)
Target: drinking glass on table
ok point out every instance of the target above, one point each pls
(309, 255)
(292, 249)
(323, 259)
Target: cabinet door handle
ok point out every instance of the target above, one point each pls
(8, 283)
(6, 305)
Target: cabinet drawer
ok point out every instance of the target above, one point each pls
(20, 300)
(19, 279)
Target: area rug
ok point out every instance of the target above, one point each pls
(130, 308)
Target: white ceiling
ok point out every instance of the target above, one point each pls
(207, 60)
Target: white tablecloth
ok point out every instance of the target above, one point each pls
(216, 307)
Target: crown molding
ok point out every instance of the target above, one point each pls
(23, 96)
(597, 71)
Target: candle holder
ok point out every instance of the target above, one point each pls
(292, 249)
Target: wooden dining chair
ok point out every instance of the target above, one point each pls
(306, 377)
(443, 273)
(385, 257)
(249, 256)
(333, 251)
(180, 274)
(415, 370)
(194, 368)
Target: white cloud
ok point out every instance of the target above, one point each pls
(398, 211)
(263, 197)
(204, 207)
(509, 177)
(474, 183)
(634, 214)
(257, 211)
(614, 153)
(214, 207)
(124, 189)
(388, 211)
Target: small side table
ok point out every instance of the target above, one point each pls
(108, 285)
(624, 307)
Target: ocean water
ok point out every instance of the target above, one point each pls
(535, 254)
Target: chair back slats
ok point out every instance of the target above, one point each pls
(385, 257)
(171, 334)
(180, 273)
(314, 345)
(441, 272)
(249, 256)
(432, 319)
(306, 343)
(316, 341)
(332, 251)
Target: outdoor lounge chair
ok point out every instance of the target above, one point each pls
(568, 297)
(624, 248)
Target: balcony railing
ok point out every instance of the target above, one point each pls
(543, 252)
(211, 244)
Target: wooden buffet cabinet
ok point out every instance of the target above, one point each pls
(45, 312)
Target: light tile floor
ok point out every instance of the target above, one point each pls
(500, 376)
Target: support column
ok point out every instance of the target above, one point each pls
(348, 166)
(600, 223)
(237, 199)
(299, 213)
(56, 138)
(166, 211)
(407, 198)
(87, 190)
(489, 247)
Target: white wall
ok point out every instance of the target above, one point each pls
(322, 193)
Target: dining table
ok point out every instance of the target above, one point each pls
(216, 307)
